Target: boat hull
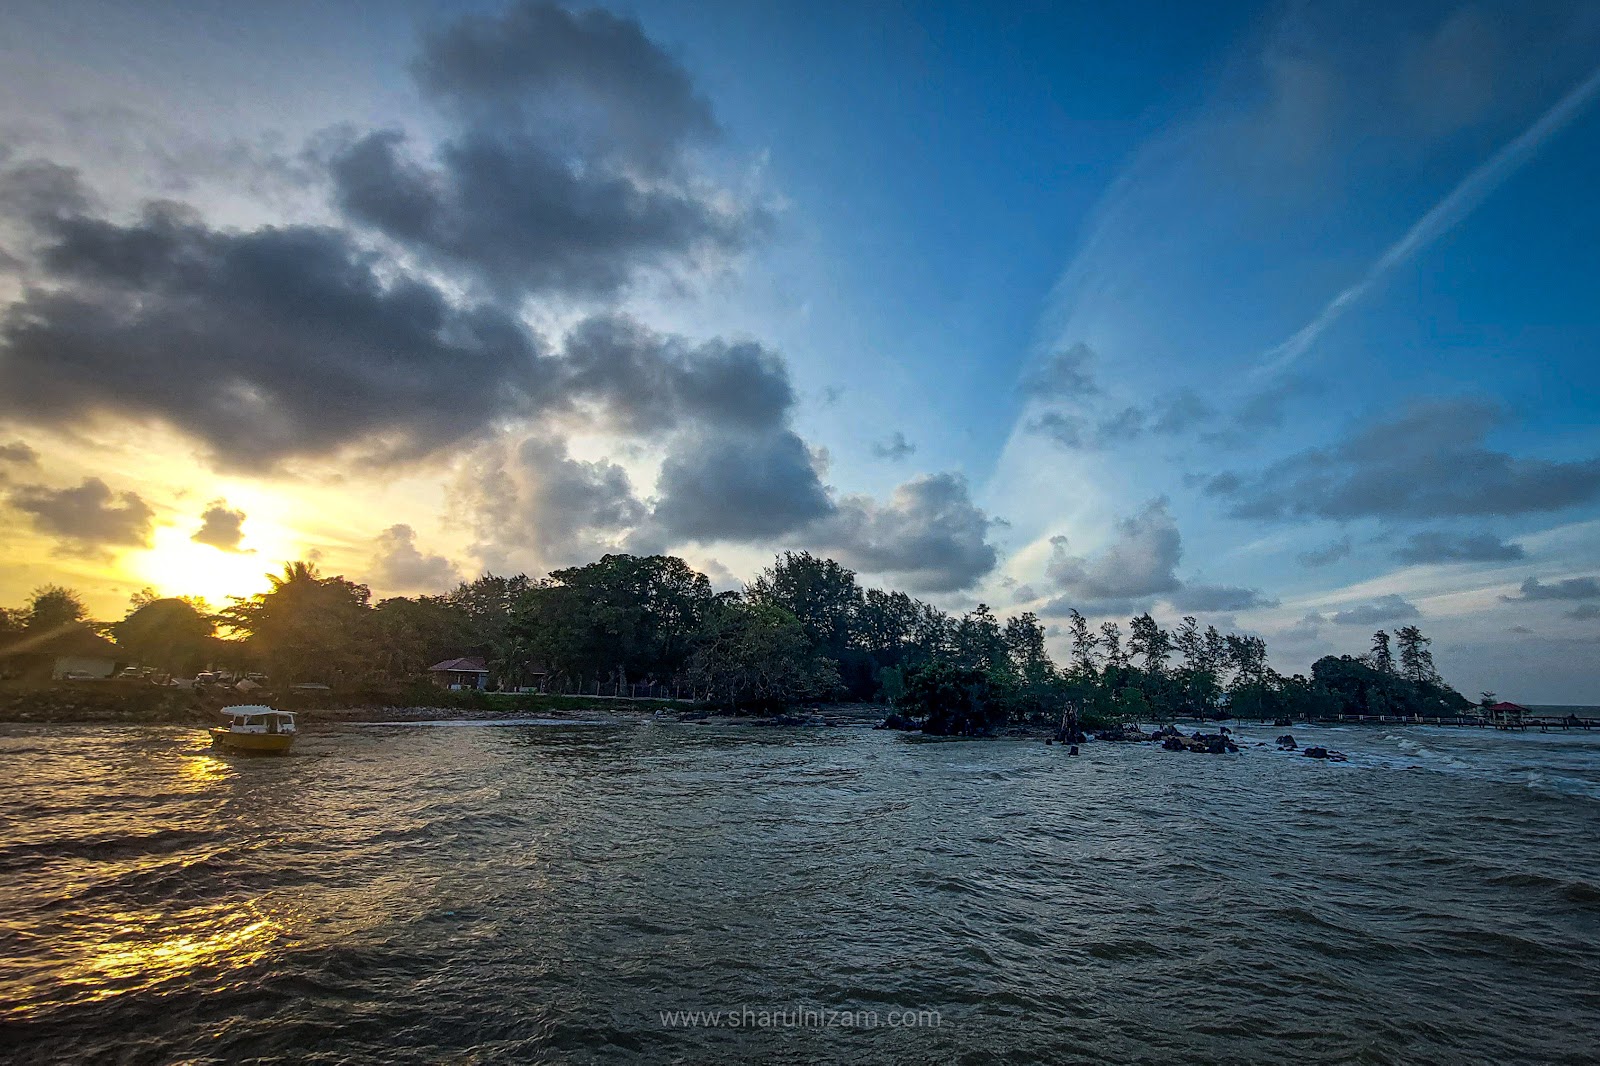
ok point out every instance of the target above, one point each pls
(252, 743)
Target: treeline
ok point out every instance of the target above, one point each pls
(802, 630)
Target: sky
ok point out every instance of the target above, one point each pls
(1280, 315)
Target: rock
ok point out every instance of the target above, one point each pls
(1286, 742)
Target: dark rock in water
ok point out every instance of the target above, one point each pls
(897, 721)
(1286, 742)
(1281, 722)
(1200, 743)
(1122, 732)
(1074, 750)
(1324, 753)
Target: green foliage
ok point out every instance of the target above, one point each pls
(952, 700)
(758, 655)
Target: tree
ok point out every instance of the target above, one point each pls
(171, 634)
(625, 616)
(951, 700)
(1085, 645)
(411, 635)
(1380, 656)
(1111, 640)
(1150, 642)
(980, 643)
(308, 628)
(756, 653)
(820, 593)
(53, 607)
(1416, 661)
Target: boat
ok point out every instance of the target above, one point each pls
(255, 729)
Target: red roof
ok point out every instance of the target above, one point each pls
(469, 665)
(1503, 706)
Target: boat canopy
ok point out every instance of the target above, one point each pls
(250, 710)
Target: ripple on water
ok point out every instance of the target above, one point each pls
(535, 893)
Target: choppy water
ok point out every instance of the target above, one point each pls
(543, 893)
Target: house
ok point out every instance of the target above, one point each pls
(73, 652)
(469, 672)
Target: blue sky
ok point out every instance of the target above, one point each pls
(1062, 251)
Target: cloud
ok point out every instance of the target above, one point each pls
(1573, 588)
(566, 166)
(1140, 561)
(1435, 547)
(533, 497)
(1305, 630)
(1428, 463)
(737, 486)
(1138, 564)
(1212, 598)
(266, 344)
(1584, 612)
(1126, 425)
(1169, 416)
(1390, 608)
(220, 527)
(895, 448)
(1326, 555)
(398, 565)
(1439, 220)
(90, 516)
(1063, 374)
(648, 383)
(1066, 430)
(1180, 412)
(19, 453)
(1520, 630)
(928, 534)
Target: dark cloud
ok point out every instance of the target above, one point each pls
(648, 383)
(1024, 594)
(1390, 608)
(399, 566)
(289, 342)
(1435, 547)
(1584, 612)
(1211, 598)
(1327, 555)
(1429, 463)
(19, 453)
(90, 516)
(265, 345)
(1063, 374)
(220, 527)
(928, 534)
(738, 486)
(567, 164)
(895, 448)
(1520, 630)
(1573, 588)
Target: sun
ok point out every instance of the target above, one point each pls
(177, 566)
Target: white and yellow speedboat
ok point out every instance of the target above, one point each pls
(255, 729)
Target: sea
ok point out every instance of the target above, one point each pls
(680, 893)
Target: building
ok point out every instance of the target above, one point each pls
(74, 653)
(1508, 714)
(469, 672)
